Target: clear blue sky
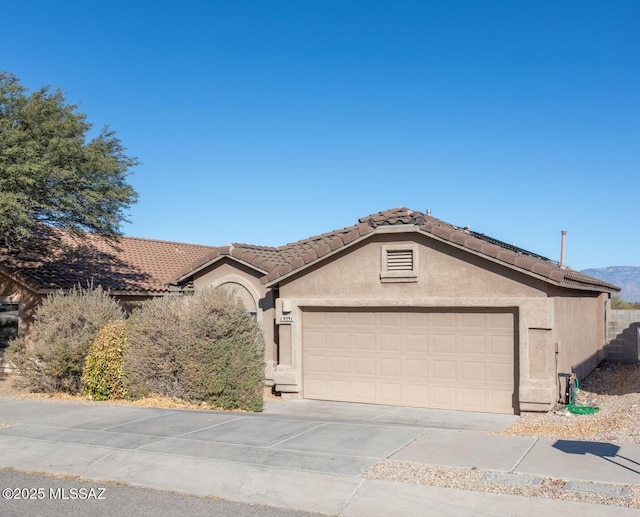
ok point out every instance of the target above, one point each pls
(266, 122)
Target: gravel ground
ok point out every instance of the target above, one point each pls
(474, 479)
(615, 389)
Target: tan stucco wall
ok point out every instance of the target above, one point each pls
(442, 272)
(581, 337)
(245, 282)
(447, 278)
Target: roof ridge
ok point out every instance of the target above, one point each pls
(254, 246)
(163, 241)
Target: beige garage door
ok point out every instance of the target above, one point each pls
(448, 360)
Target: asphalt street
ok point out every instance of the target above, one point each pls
(31, 495)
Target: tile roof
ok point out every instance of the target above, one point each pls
(136, 265)
(277, 263)
(145, 265)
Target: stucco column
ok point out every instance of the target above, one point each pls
(286, 374)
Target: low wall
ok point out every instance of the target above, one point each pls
(623, 336)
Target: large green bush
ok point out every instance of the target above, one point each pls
(102, 374)
(200, 348)
(52, 359)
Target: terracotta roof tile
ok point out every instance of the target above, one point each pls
(134, 265)
(149, 265)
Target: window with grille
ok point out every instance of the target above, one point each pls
(399, 263)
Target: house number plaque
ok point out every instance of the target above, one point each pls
(286, 318)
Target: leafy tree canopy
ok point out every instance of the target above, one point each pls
(618, 303)
(51, 174)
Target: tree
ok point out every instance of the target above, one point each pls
(51, 174)
(619, 303)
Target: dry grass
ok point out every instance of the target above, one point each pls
(10, 386)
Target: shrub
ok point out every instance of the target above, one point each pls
(102, 374)
(200, 348)
(52, 359)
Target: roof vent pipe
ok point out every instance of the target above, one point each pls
(562, 246)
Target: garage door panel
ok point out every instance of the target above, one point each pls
(390, 342)
(501, 345)
(443, 397)
(339, 389)
(500, 399)
(473, 345)
(502, 320)
(366, 320)
(316, 363)
(418, 320)
(339, 365)
(364, 341)
(473, 321)
(391, 319)
(390, 393)
(417, 368)
(364, 366)
(501, 373)
(364, 391)
(443, 344)
(390, 367)
(473, 372)
(315, 388)
(416, 395)
(416, 343)
(445, 370)
(455, 360)
(443, 320)
(315, 340)
(339, 319)
(339, 341)
(473, 399)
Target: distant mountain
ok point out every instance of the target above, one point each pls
(626, 277)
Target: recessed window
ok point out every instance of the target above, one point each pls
(8, 323)
(399, 263)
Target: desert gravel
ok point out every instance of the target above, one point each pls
(472, 479)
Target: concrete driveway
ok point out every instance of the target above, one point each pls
(297, 454)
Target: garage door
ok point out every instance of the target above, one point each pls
(448, 360)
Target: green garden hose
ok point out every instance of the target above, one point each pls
(579, 410)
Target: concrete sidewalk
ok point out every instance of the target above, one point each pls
(304, 455)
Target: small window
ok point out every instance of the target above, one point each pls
(8, 323)
(399, 263)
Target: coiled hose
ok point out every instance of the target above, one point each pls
(579, 410)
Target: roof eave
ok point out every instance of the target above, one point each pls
(378, 230)
(18, 279)
(114, 292)
(514, 267)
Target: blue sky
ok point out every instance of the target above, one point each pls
(267, 122)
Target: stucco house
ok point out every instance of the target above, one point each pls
(400, 309)
(404, 309)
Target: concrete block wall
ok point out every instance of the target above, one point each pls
(623, 336)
